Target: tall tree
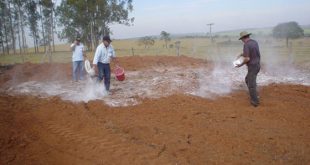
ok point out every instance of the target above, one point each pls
(2, 6)
(1, 40)
(47, 6)
(53, 20)
(16, 22)
(20, 6)
(11, 26)
(166, 37)
(92, 19)
(288, 30)
(5, 26)
(43, 41)
(33, 17)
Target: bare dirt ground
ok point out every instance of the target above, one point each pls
(178, 128)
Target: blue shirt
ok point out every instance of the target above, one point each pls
(77, 53)
(104, 54)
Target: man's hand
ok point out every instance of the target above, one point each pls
(245, 60)
(73, 46)
(239, 65)
(96, 69)
(115, 60)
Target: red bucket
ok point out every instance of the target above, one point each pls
(119, 73)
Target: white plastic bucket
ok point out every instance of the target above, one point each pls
(238, 61)
(88, 68)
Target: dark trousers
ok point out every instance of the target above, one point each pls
(250, 81)
(104, 72)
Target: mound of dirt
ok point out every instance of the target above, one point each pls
(179, 128)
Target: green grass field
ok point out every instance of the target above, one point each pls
(222, 49)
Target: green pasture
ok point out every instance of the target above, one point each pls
(221, 49)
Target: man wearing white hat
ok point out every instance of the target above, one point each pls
(251, 58)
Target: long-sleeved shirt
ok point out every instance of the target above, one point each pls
(77, 52)
(104, 54)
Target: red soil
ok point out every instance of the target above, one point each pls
(179, 129)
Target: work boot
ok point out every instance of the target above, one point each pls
(254, 103)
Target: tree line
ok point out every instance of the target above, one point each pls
(286, 30)
(42, 19)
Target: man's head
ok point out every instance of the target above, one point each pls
(106, 40)
(244, 36)
(78, 40)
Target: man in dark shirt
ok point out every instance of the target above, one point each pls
(251, 58)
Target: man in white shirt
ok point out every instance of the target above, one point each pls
(78, 55)
(104, 54)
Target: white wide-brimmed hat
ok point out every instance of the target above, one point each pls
(244, 34)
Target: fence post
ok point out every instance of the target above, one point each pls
(132, 51)
(177, 46)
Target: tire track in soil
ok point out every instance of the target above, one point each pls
(95, 147)
(160, 149)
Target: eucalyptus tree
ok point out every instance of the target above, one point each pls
(91, 19)
(33, 18)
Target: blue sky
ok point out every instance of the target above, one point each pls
(191, 16)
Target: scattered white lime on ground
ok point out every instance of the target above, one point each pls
(156, 83)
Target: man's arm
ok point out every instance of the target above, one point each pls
(245, 60)
(96, 59)
(95, 69)
(114, 59)
(73, 46)
(246, 56)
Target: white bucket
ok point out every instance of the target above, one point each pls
(238, 61)
(89, 69)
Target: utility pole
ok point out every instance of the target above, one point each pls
(210, 24)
